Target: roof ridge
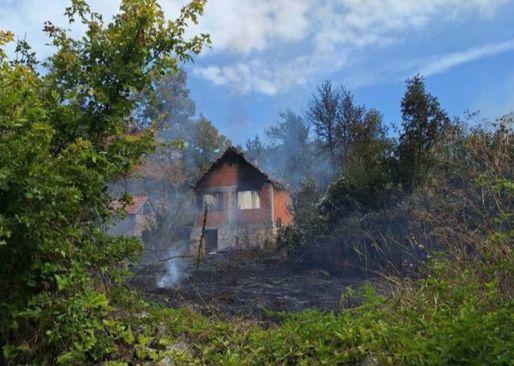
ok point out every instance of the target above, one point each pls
(276, 183)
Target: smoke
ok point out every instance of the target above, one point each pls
(290, 154)
(173, 273)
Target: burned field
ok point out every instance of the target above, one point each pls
(250, 284)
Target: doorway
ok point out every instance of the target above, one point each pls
(211, 241)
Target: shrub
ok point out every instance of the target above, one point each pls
(63, 136)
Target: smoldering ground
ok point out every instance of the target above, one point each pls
(250, 284)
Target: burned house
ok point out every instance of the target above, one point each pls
(137, 219)
(237, 206)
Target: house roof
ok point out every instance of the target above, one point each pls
(231, 150)
(133, 208)
(137, 203)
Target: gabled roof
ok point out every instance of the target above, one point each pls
(133, 208)
(232, 151)
(137, 203)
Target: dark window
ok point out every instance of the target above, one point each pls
(211, 241)
(147, 209)
(199, 202)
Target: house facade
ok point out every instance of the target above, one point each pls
(237, 206)
(139, 213)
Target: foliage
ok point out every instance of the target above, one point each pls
(254, 149)
(366, 221)
(173, 104)
(341, 124)
(323, 113)
(424, 122)
(204, 144)
(298, 240)
(63, 136)
(349, 224)
(290, 156)
(188, 143)
(466, 208)
(369, 171)
(290, 130)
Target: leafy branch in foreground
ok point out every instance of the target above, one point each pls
(63, 137)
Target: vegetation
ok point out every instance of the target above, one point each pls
(64, 135)
(437, 204)
(188, 142)
(424, 122)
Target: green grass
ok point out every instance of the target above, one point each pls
(434, 322)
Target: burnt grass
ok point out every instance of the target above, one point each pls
(252, 284)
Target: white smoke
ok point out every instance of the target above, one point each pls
(173, 272)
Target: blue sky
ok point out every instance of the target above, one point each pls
(271, 54)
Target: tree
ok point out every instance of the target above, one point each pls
(423, 124)
(323, 114)
(349, 117)
(290, 130)
(291, 156)
(254, 149)
(335, 115)
(163, 174)
(368, 171)
(173, 104)
(63, 137)
(187, 142)
(203, 144)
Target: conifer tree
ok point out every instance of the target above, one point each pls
(423, 124)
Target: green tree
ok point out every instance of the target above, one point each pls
(291, 155)
(173, 105)
(63, 137)
(423, 124)
(204, 144)
(368, 171)
(254, 149)
(350, 118)
(187, 141)
(334, 115)
(290, 130)
(323, 114)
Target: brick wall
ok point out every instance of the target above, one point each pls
(225, 175)
(229, 179)
(281, 207)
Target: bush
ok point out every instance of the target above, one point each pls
(63, 136)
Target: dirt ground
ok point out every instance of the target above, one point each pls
(250, 284)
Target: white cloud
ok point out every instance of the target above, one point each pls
(400, 70)
(261, 76)
(269, 46)
(243, 26)
(445, 62)
(331, 33)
